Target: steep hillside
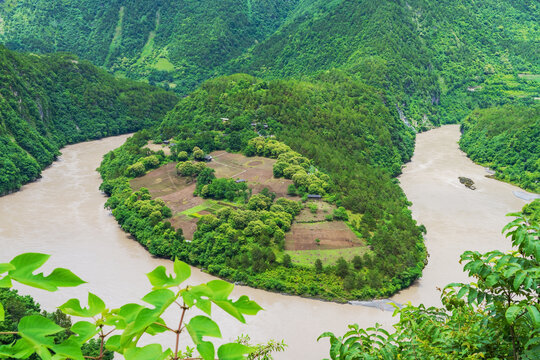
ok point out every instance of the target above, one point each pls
(49, 101)
(506, 140)
(425, 53)
(170, 42)
(437, 60)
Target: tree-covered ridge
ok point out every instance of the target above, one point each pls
(425, 54)
(177, 42)
(49, 101)
(506, 139)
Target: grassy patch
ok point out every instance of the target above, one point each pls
(308, 257)
(164, 65)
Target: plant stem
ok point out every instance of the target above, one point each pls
(184, 308)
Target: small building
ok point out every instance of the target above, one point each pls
(224, 120)
(254, 124)
(265, 126)
(314, 196)
(240, 181)
(208, 158)
(166, 142)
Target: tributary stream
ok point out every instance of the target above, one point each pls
(62, 214)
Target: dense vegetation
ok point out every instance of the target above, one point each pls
(16, 307)
(495, 317)
(49, 101)
(101, 331)
(506, 139)
(437, 60)
(180, 43)
(346, 130)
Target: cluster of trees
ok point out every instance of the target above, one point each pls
(290, 165)
(170, 43)
(506, 140)
(495, 317)
(49, 101)
(208, 186)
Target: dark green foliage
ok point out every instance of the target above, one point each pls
(49, 101)
(506, 139)
(356, 144)
(18, 306)
(167, 42)
(425, 54)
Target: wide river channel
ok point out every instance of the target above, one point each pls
(62, 214)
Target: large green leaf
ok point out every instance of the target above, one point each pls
(220, 288)
(206, 350)
(69, 349)
(36, 330)
(149, 352)
(512, 313)
(6, 267)
(201, 326)
(73, 307)
(160, 280)
(229, 307)
(5, 282)
(2, 313)
(26, 264)
(534, 314)
(247, 306)
(233, 351)
(84, 331)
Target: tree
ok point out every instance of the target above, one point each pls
(182, 156)
(287, 262)
(318, 266)
(357, 262)
(342, 267)
(198, 154)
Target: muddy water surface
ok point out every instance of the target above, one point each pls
(62, 214)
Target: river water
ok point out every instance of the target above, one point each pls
(62, 214)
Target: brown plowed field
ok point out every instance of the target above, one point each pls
(333, 235)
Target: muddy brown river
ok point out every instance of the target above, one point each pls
(62, 214)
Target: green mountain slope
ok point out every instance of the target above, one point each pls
(506, 140)
(49, 101)
(437, 60)
(425, 53)
(177, 42)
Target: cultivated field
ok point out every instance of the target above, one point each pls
(332, 235)
(177, 192)
(323, 209)
(257, 171)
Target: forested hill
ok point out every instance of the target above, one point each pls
(48, 101)
(175, 41)
(429, 55)
(437, 60)
(342, 124)
(506, 139)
